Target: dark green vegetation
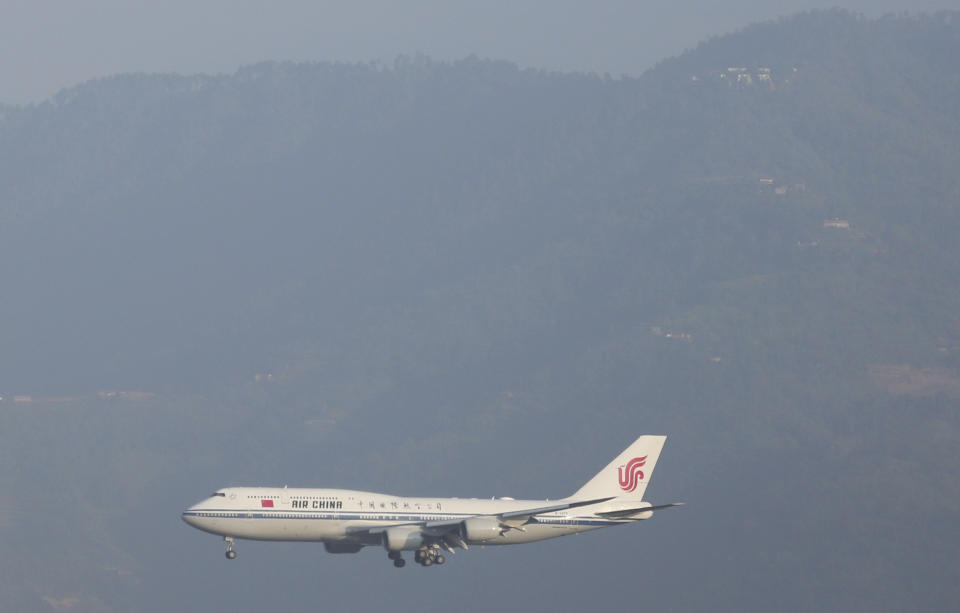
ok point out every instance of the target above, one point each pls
(469, 279)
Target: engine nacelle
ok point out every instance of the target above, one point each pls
(480, 529)
(402, 538)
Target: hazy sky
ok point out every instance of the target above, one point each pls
(46, 45)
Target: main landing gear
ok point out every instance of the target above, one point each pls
(428, 556)
(425, 556)
(231, 554)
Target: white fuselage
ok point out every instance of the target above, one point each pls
(347, 516)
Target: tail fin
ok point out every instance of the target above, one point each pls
(628, 474)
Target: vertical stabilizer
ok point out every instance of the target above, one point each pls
(628, 474)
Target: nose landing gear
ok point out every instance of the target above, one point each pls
(398, 560)
(231, 554)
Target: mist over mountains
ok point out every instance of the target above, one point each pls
(470, 279)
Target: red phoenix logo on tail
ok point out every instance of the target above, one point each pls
(632, 475)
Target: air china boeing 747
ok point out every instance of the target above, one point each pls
(346, 521)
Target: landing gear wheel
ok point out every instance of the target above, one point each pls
(393, 555)
(440, 559)
(231, 554)
(427, 561)
(399, 562)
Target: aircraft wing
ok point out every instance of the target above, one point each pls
(625, 513)
(510, 518)
(527, 513)
(447, 530)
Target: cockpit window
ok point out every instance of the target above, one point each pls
(218, 494)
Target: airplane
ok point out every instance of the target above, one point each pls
(346, 521)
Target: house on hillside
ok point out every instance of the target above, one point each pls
(842, 224)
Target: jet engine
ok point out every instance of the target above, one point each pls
(480, 529)
(402, 538)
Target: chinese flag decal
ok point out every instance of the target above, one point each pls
(266, 503)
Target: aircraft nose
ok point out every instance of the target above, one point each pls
(189, 516)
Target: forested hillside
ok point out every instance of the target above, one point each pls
(469, 279)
